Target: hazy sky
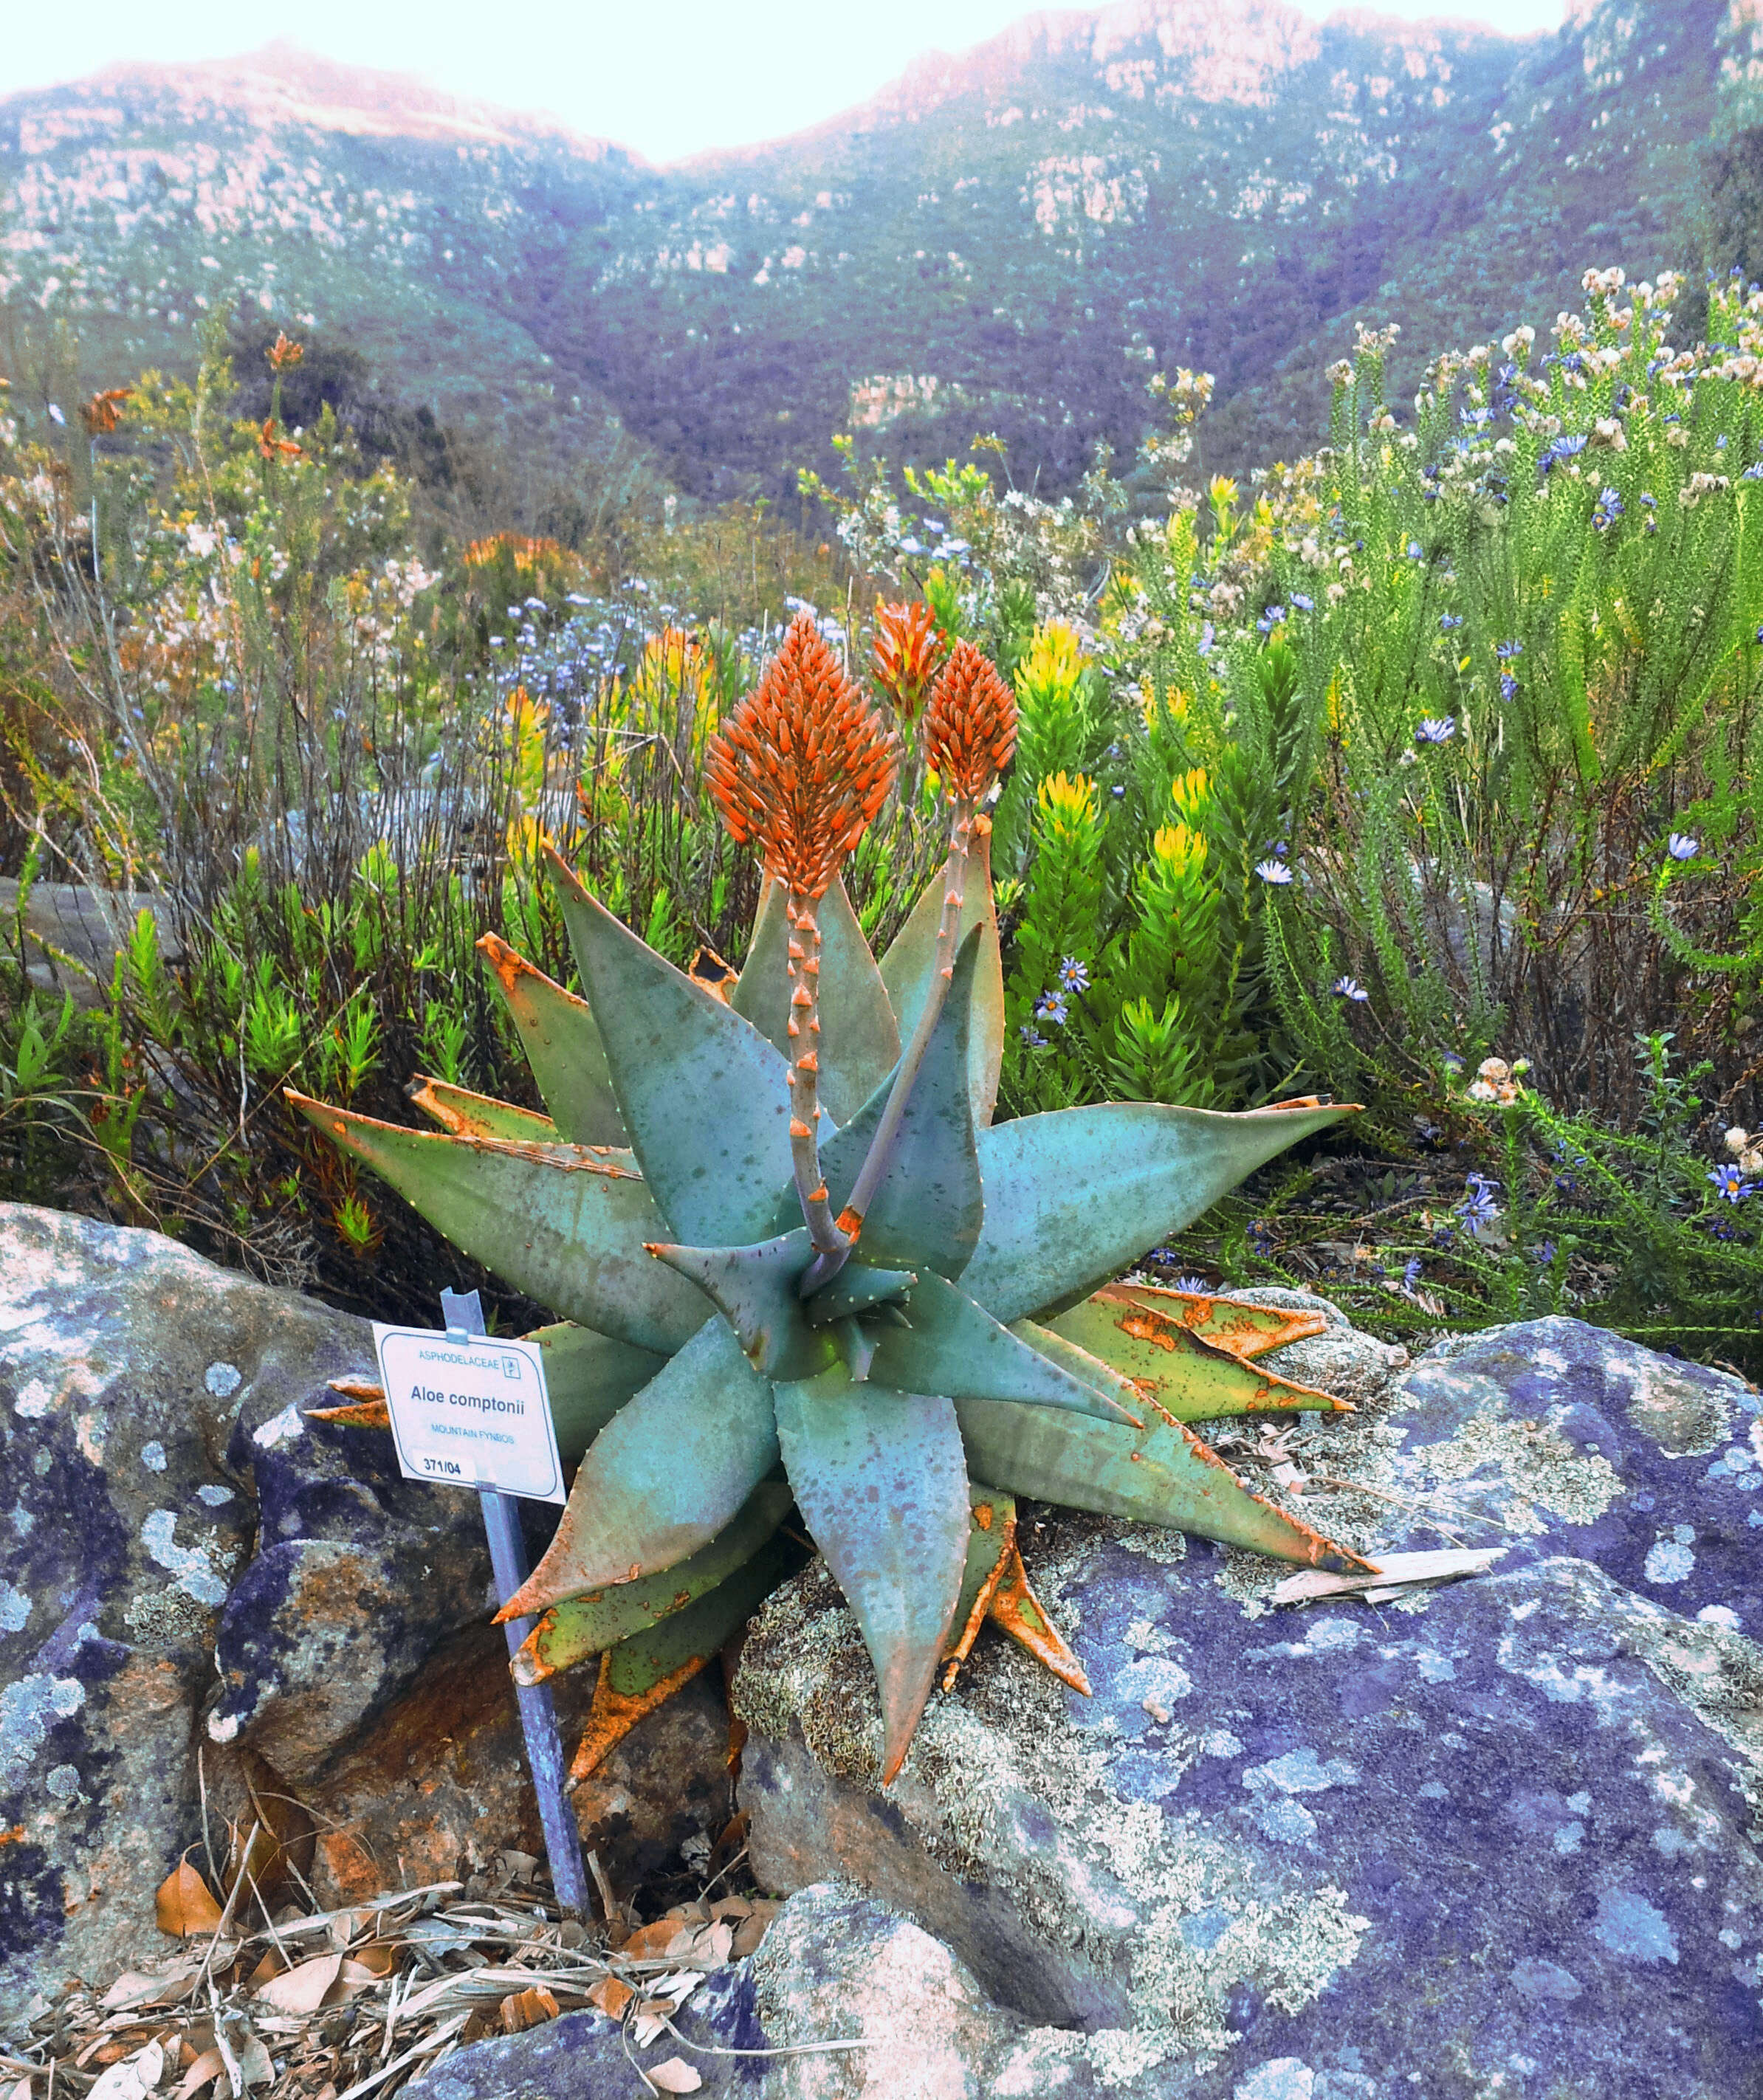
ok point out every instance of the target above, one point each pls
(667, 77)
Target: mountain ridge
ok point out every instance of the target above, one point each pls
(1013, 237)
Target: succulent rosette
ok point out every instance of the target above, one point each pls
(799, 1266)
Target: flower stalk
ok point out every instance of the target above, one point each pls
(970, 735)
(804, 952)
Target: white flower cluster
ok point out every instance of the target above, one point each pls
(1746, 1148)
(1495, 1080)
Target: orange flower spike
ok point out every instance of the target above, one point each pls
(800, 769)
(908, 651)
(970, 731)
(803, 764)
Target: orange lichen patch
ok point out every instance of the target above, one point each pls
(908, 651)
(1275, 1397)
(14, 1835)
(969, 730)
(1143, 1327)
(963, 1636)
(802, 765)
(509, 967)
(1019, 1611)
(614, 1714)
(352, 1388)
(421, 1096)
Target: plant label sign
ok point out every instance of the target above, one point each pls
(469, 1412)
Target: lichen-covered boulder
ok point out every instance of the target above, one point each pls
(188, 1563)
(128, 1366)
(836, 1967)
(1505, 1832)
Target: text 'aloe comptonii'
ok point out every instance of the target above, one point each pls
(814, 1274)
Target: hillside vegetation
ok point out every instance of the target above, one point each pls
(1425, 770)
(1012, 241)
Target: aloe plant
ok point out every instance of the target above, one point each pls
(799, 1266)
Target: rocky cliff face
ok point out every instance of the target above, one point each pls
(1013, 239)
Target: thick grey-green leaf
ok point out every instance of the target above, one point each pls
(1188, 1376)
(691, 1637)
(1163, 1474)
(1073, 1198)
(1088, 1370)
(562, 1045)
(663, 1477)
(467, 1115)
(566, 1224)
(702, 1093)
(859, 1039)
(588, 1377)
(953, 1346)
(599, 1619)
(992, 1534)
(930, 1206)
(857, 1288)
(881, 1482)
(907, 966)
(755, 1288)
(762, 991)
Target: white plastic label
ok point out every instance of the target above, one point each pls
(470, 1413)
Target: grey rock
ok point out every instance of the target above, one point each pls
(122, 1531)
(186, 1560)
(438, 1783)
(72, 935)
(1506, 1830)
(836, 1965)
(1341, 1360)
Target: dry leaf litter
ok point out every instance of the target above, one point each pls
(280, 2001)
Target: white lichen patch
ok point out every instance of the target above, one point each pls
(1497, 1476)
(1717, 1673)
(1684, 1417)
(1536, 1473)
(1631, 1926)
(1669, 1560)
(15, 1609)
(201, 1569)
(30, 1707)
(167, 1618)
(280, 1429)
(1152, 1542)
(1012, 1783)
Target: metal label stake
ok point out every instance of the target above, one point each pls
(463, 1315)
